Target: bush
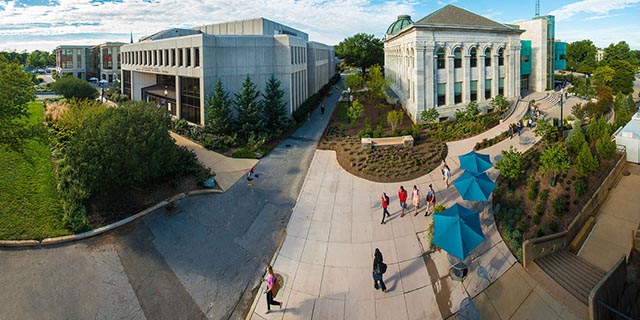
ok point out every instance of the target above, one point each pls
(71, 87)
(522, 227)
(553, 226)
(394, 118)
(586, 163)
(539, 210)
(243, 152)
(544, 195)
(533, 190)
(536, 219)
(540, 233)
(558, 207)
(605, 148)
(579, 188)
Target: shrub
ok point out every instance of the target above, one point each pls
(586, 163)
(429, 115)
(553, 226)
(355, 111)
(580, 187)
(429, 236)
(522, 227)
(539, 210)
(71, 87)
(605, 148)
(540, 233)
(519, 254)
(536, 219)
(439, 208)
(558, 207)
(544, 195)
(575, 140)
(533, 190)
(243, 152)
(415, 131)
(394, 118)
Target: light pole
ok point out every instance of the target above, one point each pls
(587, 82)
(349, 97)
(561, 125)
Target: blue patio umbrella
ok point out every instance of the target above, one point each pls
(474, 187)
(457, 230)
(475, 162)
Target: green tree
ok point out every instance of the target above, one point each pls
(499, 103)
(354, 81)
(430, 115)
(361, 50)
(586, 163)
(617, 52)
(623, 77)
(575, 139)
(355, 111)
(603, 75)
(579, 112)
(275, 108)
(511, 165)
(555, 159)
(581, 56)
(71, 87)
(622, 112)
(598, 128)
(16, 90)
(376, 82)
(605, 148)
(394, 118)
(218, 118)
(546, 131)
(251, 119)
(632, 107)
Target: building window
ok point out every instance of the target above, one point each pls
(474, 90)
(166, 57)
(107, 58)
(155, 57)
(457, 58)
(66, 59)
(487, 58)
(457, 92)
(190, 99)
(442, 94)
(187, 54)
(126, 83)
(160, 60)
(441, 58)
(79, 58)
(180, 58)
(524, 59)
(474, 58)
(173, 57)
(144, 57)
(196, 59)
(119, 61)
(501, 57)
(487, 89)
(501, 86)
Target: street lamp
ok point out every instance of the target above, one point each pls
(587, 82)
(349, 97)
(561, 125)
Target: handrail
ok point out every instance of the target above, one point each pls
(618, 313)
(635, 239)
(511, 109)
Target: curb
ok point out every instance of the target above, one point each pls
(103, 229)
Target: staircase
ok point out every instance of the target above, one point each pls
(574, 274)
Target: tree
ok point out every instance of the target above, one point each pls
(623, 76)
(361, 50)
(605, 148)
(555, 159)
(430, 115)
(575, 139)
(581, 56)
(250, 110)
(71, 87)
(617, 52)
(603, 106)
(622, 112)
(598, 128)
(546, 131)
(16, 90)
(275, 108)
(355, 111)
(632, 107)
(603, 75)
(354, 81)
(586, 163)
(499, 103)
(376, 82)
(578, 111)
(218, 118)
(394, 118)
(511, 165)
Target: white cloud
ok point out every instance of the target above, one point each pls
(597, 7)
(446, 2)
(328, 21)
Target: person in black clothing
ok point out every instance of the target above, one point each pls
(379, 267)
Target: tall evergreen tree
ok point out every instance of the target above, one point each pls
(218, 118)
(250, 110)
(275, 108)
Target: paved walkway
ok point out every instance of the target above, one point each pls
(335, 227)
(227, 170)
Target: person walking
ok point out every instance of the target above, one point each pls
(272, 289)
(431, 199)
(443, 164)
(402, 195)
(250, 177)
(415, 197)
(385, 203)
(379, 268)
(322, 108)
(447, 175)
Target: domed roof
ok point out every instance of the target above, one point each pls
(402, 22)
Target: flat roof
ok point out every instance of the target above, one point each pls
(632, 128)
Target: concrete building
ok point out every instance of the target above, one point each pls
(85, 62)
(540, 31)
(599, 54)
(179, 67)
(449, 58)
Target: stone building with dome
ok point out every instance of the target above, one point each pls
(450, 58)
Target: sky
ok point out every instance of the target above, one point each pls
(45, 24)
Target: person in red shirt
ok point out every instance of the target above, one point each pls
(385, 203)
(402, 195)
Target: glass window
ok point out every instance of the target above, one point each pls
(524, 58)
(442, 94)
(487, 58)
(457, 92)
(501, 86)
(457, 58)
(501, 57)
(474, 90)
(173, 57)
(473, 60)
(180, 58)
(126, 83)
(441, 58)
(187, 54)
(196, 59)
(487, 89)
(160, 60)
(190, 99)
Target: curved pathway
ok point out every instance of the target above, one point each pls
(335, 227)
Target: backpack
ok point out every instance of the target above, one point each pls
(386, 198)
(383, 267)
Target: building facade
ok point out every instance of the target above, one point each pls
(179, 67)
(101, 61)
(450, 58)
(541, 32)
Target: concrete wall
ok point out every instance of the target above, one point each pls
(258, 26)
(411, 61)
(536, 32)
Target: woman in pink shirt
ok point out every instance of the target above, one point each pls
(415, 196)
(271, 280)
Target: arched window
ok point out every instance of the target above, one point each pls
(441, 58)
(474, 58)
(457, 60)
(501, 57)
(487, 57)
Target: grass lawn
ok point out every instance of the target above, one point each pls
(31, 207)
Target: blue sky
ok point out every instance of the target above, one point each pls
(42, 24)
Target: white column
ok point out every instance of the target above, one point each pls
(495, 69)
(481, 75)
(178, 105)
(450, 80)
(429, 86)
(466, 77)
(517, 72)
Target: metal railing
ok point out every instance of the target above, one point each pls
(614, 311)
